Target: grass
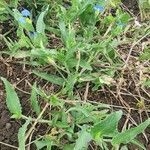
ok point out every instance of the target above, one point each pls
(94, 48)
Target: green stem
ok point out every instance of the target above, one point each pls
(34, 119)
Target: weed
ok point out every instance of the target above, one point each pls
(86, 34)
(79, 123)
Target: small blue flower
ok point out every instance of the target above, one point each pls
(99, 8)
(22, 20)
(25, 13)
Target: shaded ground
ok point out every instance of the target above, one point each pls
(15, 74)
(132, 5)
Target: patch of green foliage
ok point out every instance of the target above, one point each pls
(88, 35)
(77, 122)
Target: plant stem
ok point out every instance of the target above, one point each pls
(36, 121)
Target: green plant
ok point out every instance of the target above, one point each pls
(5, 9)
(74, 45)
(79, 123)
(84, 47)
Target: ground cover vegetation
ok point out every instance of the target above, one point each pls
(75, 74)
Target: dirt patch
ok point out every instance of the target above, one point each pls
(132, 6)
(8, 128)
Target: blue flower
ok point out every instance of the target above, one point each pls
(99, 8)
(22, 20)
(25, 13)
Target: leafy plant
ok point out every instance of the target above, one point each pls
(12, 100)
(91, 121)
(74, 45)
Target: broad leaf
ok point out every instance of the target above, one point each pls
(12, 99)
(43, 143)
(67, 35)
(83, 140)
(40, 25)
(79, 109)
(128, 135)
(107, 126)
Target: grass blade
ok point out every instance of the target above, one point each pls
(34, 101)
(107, 126)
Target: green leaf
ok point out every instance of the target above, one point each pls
(128, 135)
(34, 101)
(84, 138)
(107, 126)
(85, 65)
(67, 34)
(88, 16)
(21, 135)
(63, 30)
(40, 25)
(71, 80)
(51, 78)
(43, 143)
(136, 142)
(14, 3)
(147, 83)
(16, 14)
(78, 109)
(40, 144)
(68, 147)
(55, 101)
(145, 55)
(12, 99)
